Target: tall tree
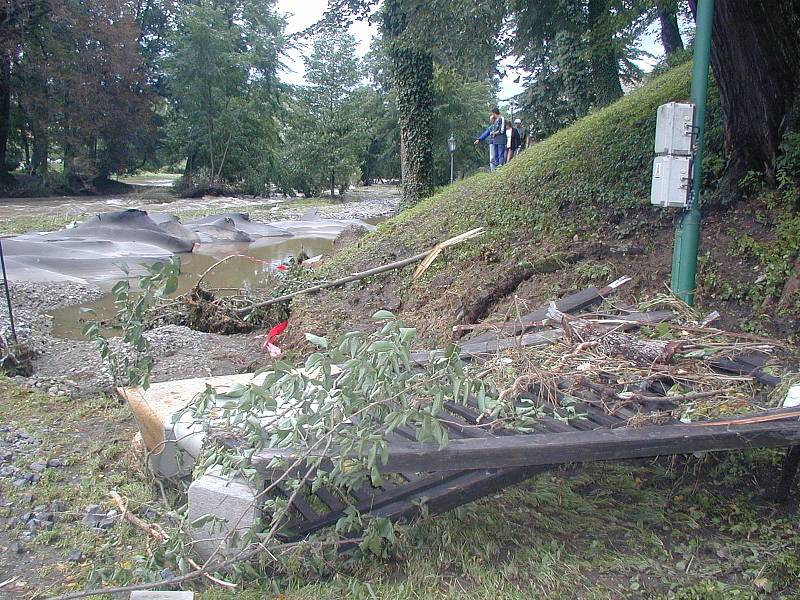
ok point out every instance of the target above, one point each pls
(221, 71)
(412, 75)
(463, 34)
(17, 20)
(337, 131)
(604, 54)
(755, 56)
(671, 38)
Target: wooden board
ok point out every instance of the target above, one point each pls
(592, 444)
(153, 408)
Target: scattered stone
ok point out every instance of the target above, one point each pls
(42, 525)
(58, 506)
(6, 456)
(93, 515)
(38, 467)
(19, 483)
(55, 463)
(107, 523)
(7, 471)
(17, 547)
(75, 556)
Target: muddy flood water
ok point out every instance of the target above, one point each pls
(236, 273)
(89, 250)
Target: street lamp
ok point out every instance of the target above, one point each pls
(451, 146)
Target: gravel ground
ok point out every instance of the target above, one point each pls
(71, 367)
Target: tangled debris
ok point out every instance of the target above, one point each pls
(230, 311)
(680, 368)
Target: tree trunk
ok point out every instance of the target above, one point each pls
(412, 73)
(603, 55)
(5, 114)
(670, 33)
(41, 149)
(755, 56)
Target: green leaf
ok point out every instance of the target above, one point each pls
(317, 340)
(200, 521)
(383, 315)
(407, 334)
(381, 346)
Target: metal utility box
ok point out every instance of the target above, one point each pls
(675, 128)
(671, 180)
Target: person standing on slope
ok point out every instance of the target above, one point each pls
(512, 141)
(485, 135)
(523, 139)
(497, 138)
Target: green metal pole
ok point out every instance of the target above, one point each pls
(687, 234)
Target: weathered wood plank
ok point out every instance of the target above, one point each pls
(551, 449)
(591, 445)
(568, 305)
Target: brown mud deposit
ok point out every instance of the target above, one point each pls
(494, 287)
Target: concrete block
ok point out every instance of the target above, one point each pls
(183, 441)
(155, 595)
(234, 501)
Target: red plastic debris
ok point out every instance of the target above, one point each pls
(273, 333)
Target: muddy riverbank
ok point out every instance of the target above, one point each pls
(67, 365)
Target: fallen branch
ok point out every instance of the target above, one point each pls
(209, 567)
(356, 276)
(153, 530)
(211, 578)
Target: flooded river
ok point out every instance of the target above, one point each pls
(235, 273)
(91, 251)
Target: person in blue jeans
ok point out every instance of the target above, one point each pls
(484, 136)
(496, 134)
(497, 138)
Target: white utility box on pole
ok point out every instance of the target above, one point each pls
(670, 188)
(673, 146)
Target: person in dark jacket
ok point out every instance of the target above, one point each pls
(497, 138)
(485, 135)
(512, 141)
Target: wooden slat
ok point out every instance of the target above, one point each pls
(623, 443)
(568, 305)
(740, 367)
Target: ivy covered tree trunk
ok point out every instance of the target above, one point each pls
(755, 56)
(603, 55)
(670, 33)
(413, 71)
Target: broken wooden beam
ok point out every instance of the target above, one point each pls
(583, 446)
(429, 254)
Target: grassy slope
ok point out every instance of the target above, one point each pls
(584, 189)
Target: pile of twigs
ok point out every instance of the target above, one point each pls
(671, 363)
